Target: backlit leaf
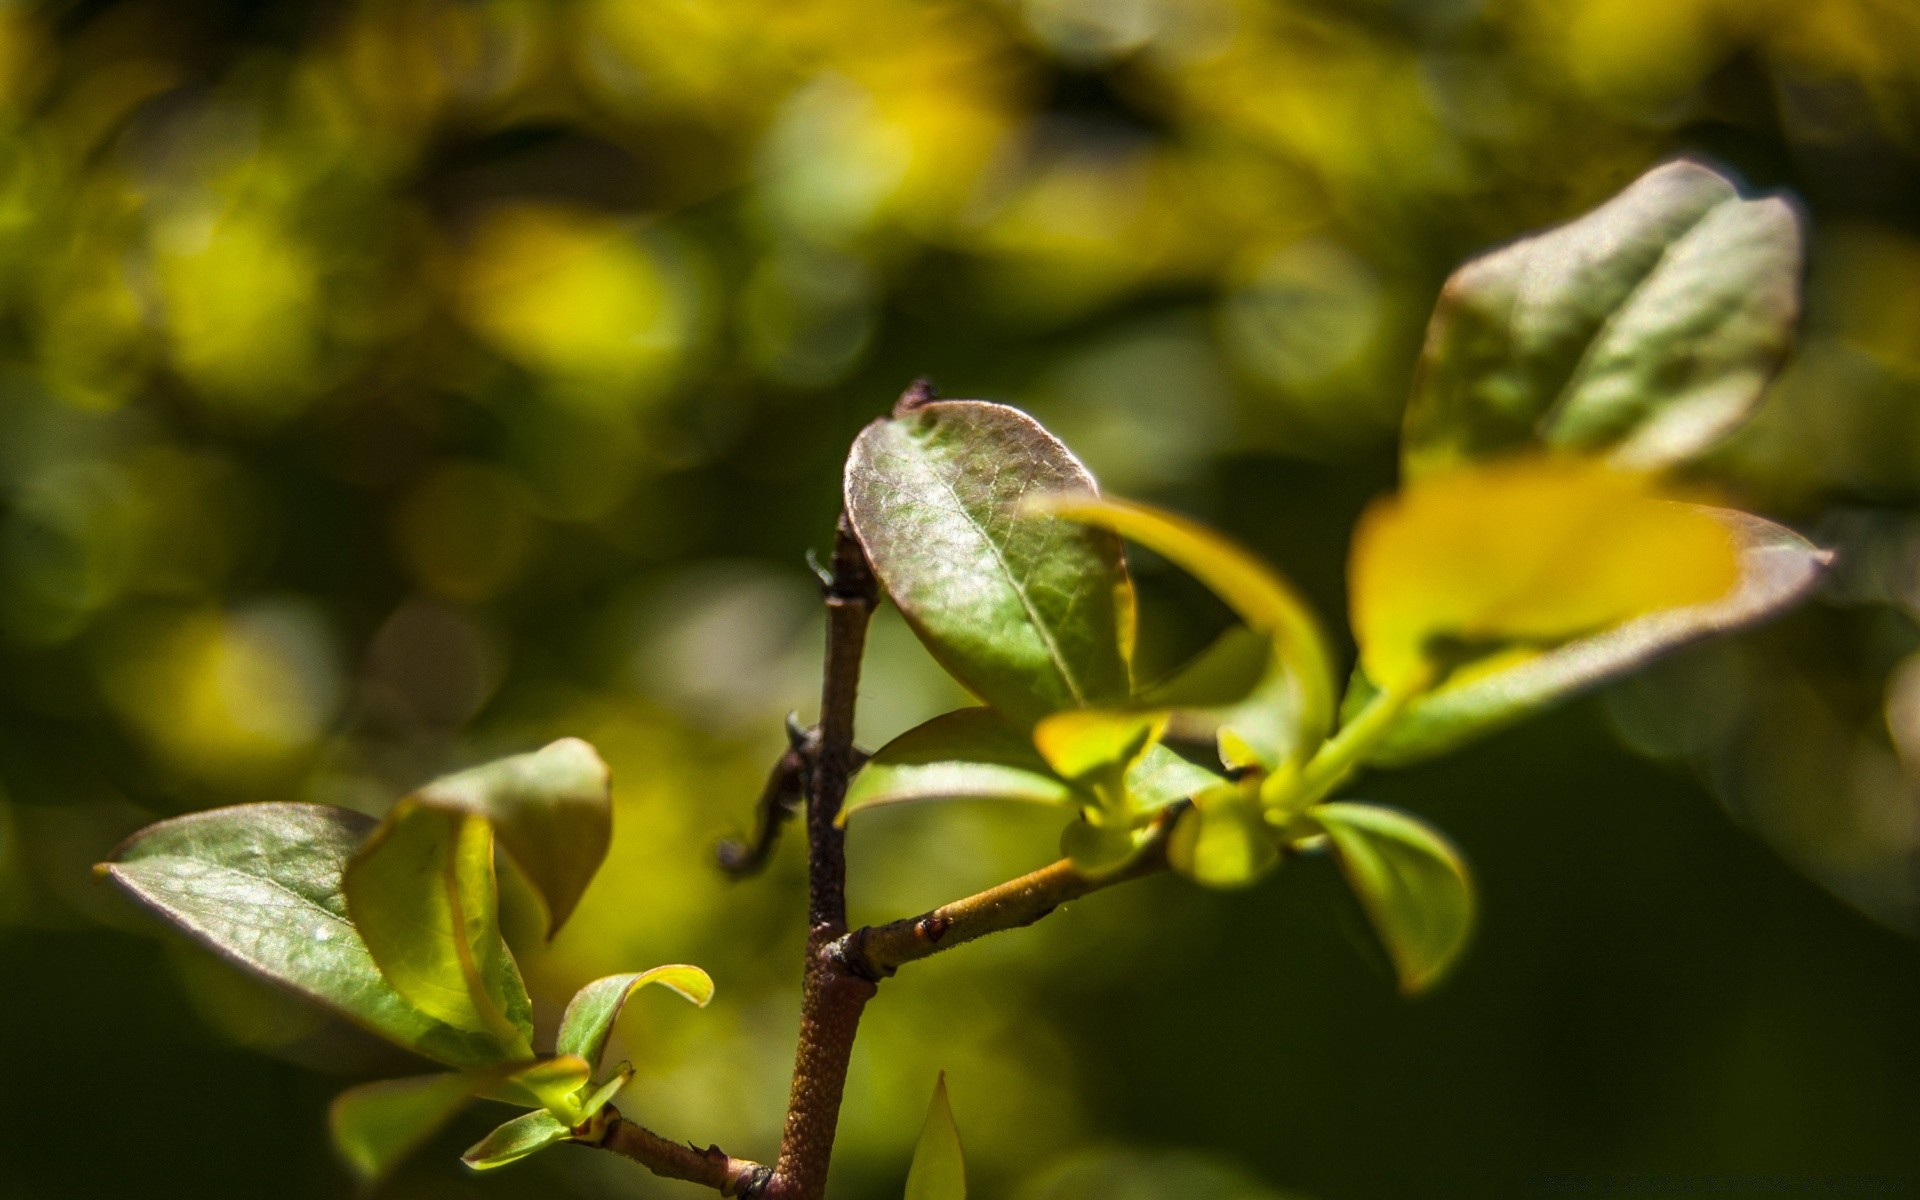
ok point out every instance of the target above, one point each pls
(1031, 613)
(422, 892)
(1777, 568)
(260, 884)
(1223, 840)
(1087, 742)
(939, 1170)
(376, 1125)
(966, 754)
(554, 1084)
(551, 810)
(1534, 551)
(1411, 882)
(1159, 777)
(594, 1008)
(526, 1134)
(1258, 596)
(1649, 326)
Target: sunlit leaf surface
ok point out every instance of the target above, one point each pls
(1650, 327)
(526, 1134)
(1031, 613)
(590, 1015)
(972, 753)
(261, 885)
(1414, 887)
(939, 1170)
(1535, 550)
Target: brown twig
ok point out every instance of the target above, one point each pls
(832, 997)
(877, 951)
(712, 1167)
(780, 799)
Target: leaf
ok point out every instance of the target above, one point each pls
(260, 884)
(594, 1008)
(1223, 840)
(1030, 613)
(376, 1125)
(1649, 326)
(1160, 777)
(1259, 597)
(553, 1083)
(528, 1133)
(422, 892)
(601, 1095)
(1411, 882)
(1102, 848)
(966, 754)
(1532, 550)
(939, 1170)
(552, 811)
(1088, 742)
(1777, 568)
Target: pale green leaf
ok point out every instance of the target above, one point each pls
(602, 1095)
(594, 1008)
(1091, 742)
(526, 1134)
(376, 1125)
(1101, 849)
(1161, 777)
(1777, 568)
(1258, 596)
(939, 1170)
(554, 1084)
(1223, 840)
(422, 892)
(551, 811)
(1650, 326)
(973, 753)
(1032, 614)
(1412, 883)
(260, 884)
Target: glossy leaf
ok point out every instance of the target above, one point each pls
(1031, 613)
(1412, 883)
(590, 1015)
(939, 1170)
(376, 1125)
(1258, 596)
(260, 884)
(967, 754)
(1777, 569)
(551, 810)
(1537, 551)
(526, 1134)
(1649, 326)
(422, 892)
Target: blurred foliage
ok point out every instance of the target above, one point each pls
(388, 385)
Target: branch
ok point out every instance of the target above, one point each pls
(877, 951)
(832, 998)
(779, 800)
(711, 1167)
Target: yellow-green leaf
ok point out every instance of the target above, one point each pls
(1223, 840)
(594, 1008)
(971, 753)
(422, 893)
(939, 1170)
(1533, 551)
(1096, 742)
(526, 1134)
(376, 1125)
(1257, 595)
(1412, 883)
(554, 1084)
(1032, 614)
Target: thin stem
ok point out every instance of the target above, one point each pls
(877, 951)
(832, 998)
(1340, 756)
(780, 799)
(712, 1167)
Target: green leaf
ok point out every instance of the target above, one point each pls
(422, 892)
(1223, 840)
(1777, 568)
(1100, 849)
(967, 754)
(526, 1134)
(1301, 662)
(1411, 882)
(554, 1084)
(1031, 613)
(1160, 777)
(1094, 742)
(552, 811)
(939, 1170)
(1650, 326)
(603, 1094)
(376, 1125)
(594, 1008)
(260, 884)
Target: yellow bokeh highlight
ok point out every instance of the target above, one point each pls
(1535, 550)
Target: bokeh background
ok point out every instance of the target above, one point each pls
(386, 385)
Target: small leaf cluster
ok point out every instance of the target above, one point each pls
(395, 925)
(1543, 541)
